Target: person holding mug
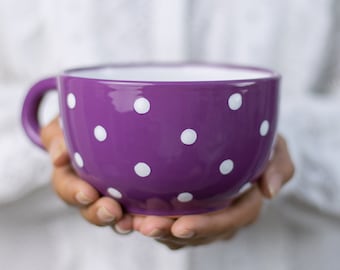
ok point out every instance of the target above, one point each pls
(44, 38)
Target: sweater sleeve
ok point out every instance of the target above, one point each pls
(311, 126)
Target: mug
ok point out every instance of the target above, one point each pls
(164, 138)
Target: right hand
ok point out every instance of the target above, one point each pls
(101, 211)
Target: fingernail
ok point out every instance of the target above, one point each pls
(119, 230)
(56, 150)
(83, 199)
(185, 234)
(274, 185)
(104, 215)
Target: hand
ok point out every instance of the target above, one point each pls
(195, 230)
(97, 210)
(175, 233)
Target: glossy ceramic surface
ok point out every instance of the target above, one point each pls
(166, 147)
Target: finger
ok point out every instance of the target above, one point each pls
(177, 243)
(242, 212)
(229, 236)
(105, 211)
(72, 189)
(246, 209)
(279, 170)
(137, 222)
(125, 225)
(156, 226)
(173, 242)
(53, 140)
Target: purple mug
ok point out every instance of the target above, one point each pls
(164, 139)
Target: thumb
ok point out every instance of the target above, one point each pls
(53, 140)
(279, 170)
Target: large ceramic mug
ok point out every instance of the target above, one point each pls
(164, 139)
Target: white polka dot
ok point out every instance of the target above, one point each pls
(79, 160)
(235, 101)
(189, 136)
(71, 100)
(142, 169)
(226, 166)
(141, 105)
(100, 133)
(185, 197)
(264, 128)
(114, 193)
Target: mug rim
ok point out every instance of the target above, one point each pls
(272, 75)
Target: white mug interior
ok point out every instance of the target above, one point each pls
(171, 73)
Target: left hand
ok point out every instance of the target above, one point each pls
(193, 230)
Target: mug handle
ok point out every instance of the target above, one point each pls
(30, 110)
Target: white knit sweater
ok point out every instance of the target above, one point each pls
(298, 38)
